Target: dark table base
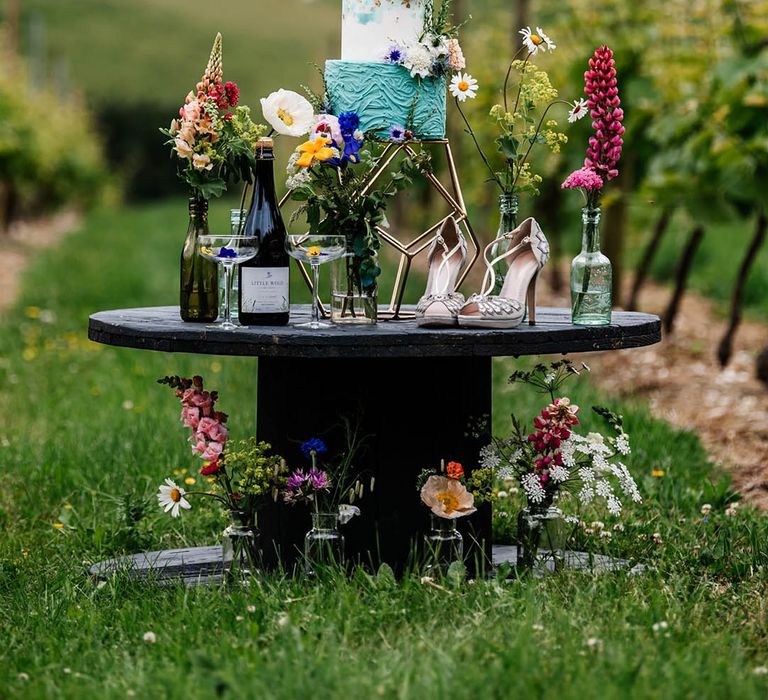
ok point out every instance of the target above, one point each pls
(413, 411)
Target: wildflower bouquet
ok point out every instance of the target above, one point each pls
(328, 175)
(553, 458)
(214, 137)
(244, 477)
(521, 117)
(327, 486)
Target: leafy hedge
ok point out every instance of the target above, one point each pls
(49, 152)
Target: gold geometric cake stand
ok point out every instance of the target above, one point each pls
(408, 250)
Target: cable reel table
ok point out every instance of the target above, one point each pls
(419, 394)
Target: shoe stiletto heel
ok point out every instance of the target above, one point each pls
(441, 302)
(528, 252)
(531, 300)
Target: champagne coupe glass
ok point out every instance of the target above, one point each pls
(315, 250)
(228, 251)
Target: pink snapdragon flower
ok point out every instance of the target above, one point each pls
(600, 86)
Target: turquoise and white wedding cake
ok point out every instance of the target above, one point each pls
(388, 73)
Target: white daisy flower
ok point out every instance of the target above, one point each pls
(578, 110)
(547, 41)
(171, 498)
(462, 86)
(536, 42)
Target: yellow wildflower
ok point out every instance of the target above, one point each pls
(314, 151)
(657, 473)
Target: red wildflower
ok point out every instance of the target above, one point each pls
(232, 92)
(454, 470)
(210, 468)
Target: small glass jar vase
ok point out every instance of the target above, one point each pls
(591, 276)
(241, 548)
(443, 544)
(541, 537)
(199, 277)
(508, 207)
(323, 544)
(351, 303)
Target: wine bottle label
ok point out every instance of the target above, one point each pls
(264, 290)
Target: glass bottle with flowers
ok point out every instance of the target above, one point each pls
(553, 460)
(213, 140)
(522, 122)
(331, 490)
(447, 497)
(244, 478)
(591, 273)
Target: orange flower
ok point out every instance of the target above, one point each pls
(454, 470)
(312, 151)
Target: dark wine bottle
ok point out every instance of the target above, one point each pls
(199, 288)
(263, 298)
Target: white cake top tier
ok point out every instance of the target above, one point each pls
(369, 27)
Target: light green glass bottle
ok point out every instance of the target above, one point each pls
(591, 276)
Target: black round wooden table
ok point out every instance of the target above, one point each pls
(421, 395)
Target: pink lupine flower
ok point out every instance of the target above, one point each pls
(603, 101)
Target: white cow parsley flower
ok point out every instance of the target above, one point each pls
(533, 488)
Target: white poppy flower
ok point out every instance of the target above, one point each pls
(288, 113)
(171, 498)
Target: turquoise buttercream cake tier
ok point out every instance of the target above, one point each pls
(384, 94)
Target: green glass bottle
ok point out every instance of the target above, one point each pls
(591, 276)
(199, 290)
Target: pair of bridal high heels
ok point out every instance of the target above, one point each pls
(527, 251)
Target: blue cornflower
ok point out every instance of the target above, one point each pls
(397, 133)
(394, 54)
(226, 252)
(315, 445)
(348, 123)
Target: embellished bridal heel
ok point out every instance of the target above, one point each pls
(528, 252)
(441, 302)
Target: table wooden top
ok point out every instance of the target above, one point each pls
(160, 328)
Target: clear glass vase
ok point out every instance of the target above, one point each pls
(443, 544)
(591, 276)
(323, 544)
(508, 206)
(199, 278)
(541, 537)
(351, 303)
(241, 548)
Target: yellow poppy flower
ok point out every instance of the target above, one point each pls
(314, 151)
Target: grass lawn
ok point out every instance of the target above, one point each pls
(86, 436)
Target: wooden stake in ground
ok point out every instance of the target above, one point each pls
(725, 349)
(681, 276)
(662, 224)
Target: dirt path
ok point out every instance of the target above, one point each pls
(22, 242)
(684, 385)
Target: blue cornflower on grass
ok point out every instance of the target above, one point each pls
(227, 252)
(315, 445)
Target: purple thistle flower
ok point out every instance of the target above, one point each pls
(318, 479)
(296, 480)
